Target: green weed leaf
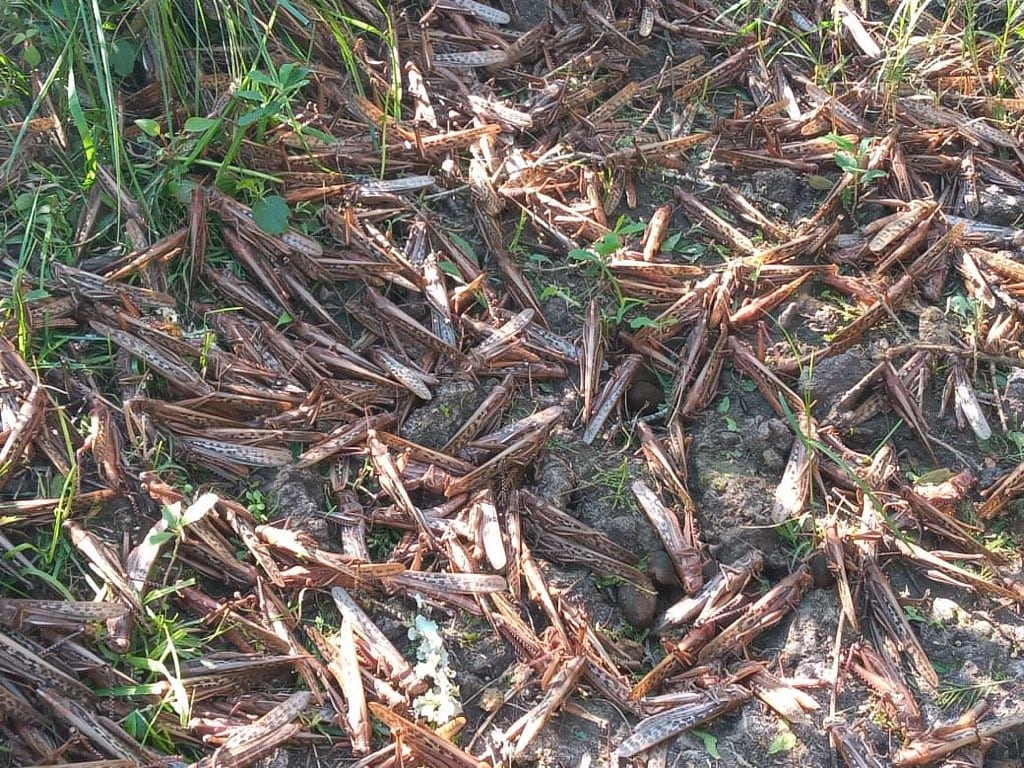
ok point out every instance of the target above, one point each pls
(608, 244)
(642, 322)
(317, 135)
(669, 243)
(627, 226)
(846, 163)
(465, 247)
(148, 126)
(842, 142)
(247, 94)
(253, 115)
(450, 268)
(271, 214)
(263, 79)
(1017, 438)
(200, 124)
(122, 57)
(31, 56)
(710, 743)
(783, 742)
(299, 16)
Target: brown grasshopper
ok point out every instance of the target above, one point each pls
(888, 684)
(523, 730)
(665, 725)
(718, 592)
(766, 612)
(850, 745)
(684, 555)
(888, 612)
(941, 740)
(426, 745)
(249, 743)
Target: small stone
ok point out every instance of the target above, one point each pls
(623, 530)
(298, 496)
(279, 758)
(830, 379)
(490, 699)
(778, 185)
(1013, 399)
(728, 439)
(660, 567)
(999, 207)
(637, 605)
(822, 574)
(555, 480)
(781, 436)
(434, 422)
(644, 397)
(933, 328)
(772, 460)
(944, 610)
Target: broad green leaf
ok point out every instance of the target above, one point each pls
(608, 244)
(724, 405)
(710, 743)
(842, 142)
(626, 226)
(465, 247)
(783, 742)
(200, 124)
(247, 94)
(262, 79)
(171, 514)
(24, 202)
(122, 57)
(670, 242)
(642, 322)
(253, 115)
(450, 268)
(271, 214)
(313, 133)
(846, 162)
(31, 56)
(1017, 438)
(148, 126)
